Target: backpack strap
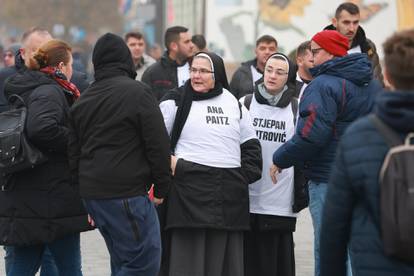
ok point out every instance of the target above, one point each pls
(240, 108)
(248, 101)
(391, 137)
(294, 104)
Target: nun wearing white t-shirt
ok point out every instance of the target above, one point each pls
(215, 155)
(273, 107)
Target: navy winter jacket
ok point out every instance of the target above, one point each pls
(342, 91)
(352, 207)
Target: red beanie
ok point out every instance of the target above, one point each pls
(333, 42)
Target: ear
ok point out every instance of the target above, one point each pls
(299, 60)
(60, 65)
(388, 82)
(334, 22)
(21, 50)
(174, 46)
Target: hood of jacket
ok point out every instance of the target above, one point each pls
(353, 67)
(111, 57)
(396, 109)
(26, 81)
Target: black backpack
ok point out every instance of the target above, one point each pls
(16, 152)
(397, 194)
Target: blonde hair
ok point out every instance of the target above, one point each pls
(50, 54)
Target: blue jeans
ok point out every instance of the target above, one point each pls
(317, 195)
(48, 266)
(131, 232)
(27, 260)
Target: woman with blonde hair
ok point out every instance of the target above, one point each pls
(42, 207)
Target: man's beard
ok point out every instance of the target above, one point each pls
(181, 58)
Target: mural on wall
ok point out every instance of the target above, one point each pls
(278, 14)
(405, 10)
(293, 21)
(142, 15)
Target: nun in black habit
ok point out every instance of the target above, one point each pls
(215, 155)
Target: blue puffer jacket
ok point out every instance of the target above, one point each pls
(352, 207)
(342, 91)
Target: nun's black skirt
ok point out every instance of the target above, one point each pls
(203, 252)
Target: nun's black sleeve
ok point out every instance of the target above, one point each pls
(251, 160)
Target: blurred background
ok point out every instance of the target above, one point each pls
(230, 26)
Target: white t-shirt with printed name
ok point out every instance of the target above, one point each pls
(213, 131)
(274, 126)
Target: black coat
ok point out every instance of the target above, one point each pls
(161, 76)
(43, 204)
(119, 144)
(242, 82)
(78, 78)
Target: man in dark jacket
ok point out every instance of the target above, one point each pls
(249, 72)
(304, 62)
(346, 21)
(352, 216)
(342, 91)
(31, 41)
(173, 70)
(118, 146)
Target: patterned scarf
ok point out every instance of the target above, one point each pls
(61, 79)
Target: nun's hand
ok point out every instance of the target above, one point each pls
(274, 171)
(173, 164)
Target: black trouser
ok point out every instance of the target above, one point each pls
(269, 252)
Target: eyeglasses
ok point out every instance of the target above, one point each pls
(278, 72)
(316, 51)
(202, 71)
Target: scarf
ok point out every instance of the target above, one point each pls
(61, 79)
(184, 107)
(272, 100)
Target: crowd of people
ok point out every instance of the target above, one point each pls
(187, 174)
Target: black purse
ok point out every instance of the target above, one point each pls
(16, 151)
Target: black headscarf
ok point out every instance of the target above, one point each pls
(112, 57)
(189, 95)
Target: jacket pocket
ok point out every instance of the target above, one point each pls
(132, 221)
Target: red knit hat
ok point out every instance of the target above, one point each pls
(333, 42)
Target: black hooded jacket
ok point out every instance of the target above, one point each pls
(242, 82)
(161, 76)
(118, 143)
(42, 203)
